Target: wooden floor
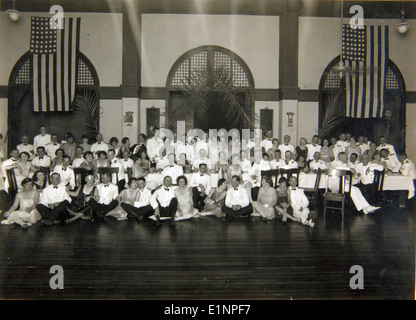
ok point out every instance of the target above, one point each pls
(207, 258)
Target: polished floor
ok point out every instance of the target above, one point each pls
(207, 258)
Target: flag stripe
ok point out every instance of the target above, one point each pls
(35, 83)
(63, 74)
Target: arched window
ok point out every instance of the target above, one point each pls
(203, 65)
(22, 120)
(394, 104)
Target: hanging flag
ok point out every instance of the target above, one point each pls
(54, 63)
(365, 51)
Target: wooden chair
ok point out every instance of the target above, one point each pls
(103, 170)
(313, 193)
(343, 190)
(13, 187)
(80, 174)
(129, 174)
(377, 187)
(271, 173)
(291, 172)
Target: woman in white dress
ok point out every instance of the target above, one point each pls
(25, 168)
(266, 200)
(185, 203)
(127, 196)
(23, 211)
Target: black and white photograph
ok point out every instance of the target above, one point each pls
(207, 154)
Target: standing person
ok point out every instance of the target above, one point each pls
(42, 139)
(301, 149)
(41, 161)
(79, 157)
(353, 148)
(105, 197)
(299, 202)
(164, 203)
(99, 145)
(342, 142)
(336, 148)
(313, 147)
(125, 146)
(126, 162)
(69, 145)
(26, 201)
(237, 201)
(267, 143)
(116, 163)
(25, 146)
(363, 146)
(54, 201)
(201, 186)
(172, 169)
(266, 199)
(52, 146)
(326, 152)
(85, 145)
(216, 199)
(286, 146)
(66, 172)
(59, 158)
(384, 145)
(154, 145)
(113, 144)
(141, 207)
(202, 159)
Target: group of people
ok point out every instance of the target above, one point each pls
(50, 190)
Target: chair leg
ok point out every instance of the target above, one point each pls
(342, 210)
(324, 209)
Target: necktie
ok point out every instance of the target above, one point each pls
(269, 139)
(63, 169)
(106, 185)
(293, 188)
(236, 189)
(40, 158)
(99, 143)
(171, 165)
(202, 174)
(80, 157)
(55, 144)
(25, 144)
(14, 160)
(286, 144)
(167, 189)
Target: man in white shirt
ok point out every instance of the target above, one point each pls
(154, 146)
(25, 146)
(317, 163)
(343, 142)
(53, 202)
(41, 139)
(41, 160)
(384, 145)
(201, 186)
(277, 162)
(313, 147)
(390, 160)
(164, 203)
(201, 144)
(66, 172)
(365, 175)
(202, 159)
(336, 148)
(99, 145)
(299, 203)
(106, 193)
(116, 163)
(290, 163)
(237, 201)
(126, 161)
(251, 142)
(408, 167)
(51, 147)
(245, 164)
(267, 143)
(141, 207)
(363, 146)
(172, 169)
(138, 148)
(79, 157)
(286, 146)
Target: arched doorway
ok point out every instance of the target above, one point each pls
(22, 120)
(392, 124)
(210, 87)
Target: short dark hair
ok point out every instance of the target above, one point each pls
(182, 178)
(86, 153)
(237, 178)
(282, 179)
(113, 139)
(131, 181)
(25, 181)
(60, 149)
(268, 180)
(220, 181)
(39, 148)
(22, 153)
(141, 179)
(124, 140)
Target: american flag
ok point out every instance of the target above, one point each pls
(54, 54)
(366, 51)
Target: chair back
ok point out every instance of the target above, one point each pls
(271, 173)
(13, 187)
(317, 179)
(112, 171)
(378, 180)
(291, 172)
(129, 173)
(80, 174)
(344, 180)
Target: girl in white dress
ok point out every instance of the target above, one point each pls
(26, 200)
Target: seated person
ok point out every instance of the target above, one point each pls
(24, 167)
(126, 161)
(41, 160)
(11, 163)
(237, 201)
(54, 201)
(141, 207)
(216, 198)
(202, 159)
(390, 161)
(85, 145)
(126, 197)
(408, 167)
(59, 158)
(142, 166)
(79, 157)
(317, 163)
(234, 169)
(282, 206)
(201, 186)
(164, 203)
(384, 145)
(365, 175)
(23, 211)
(290, 162)
(184, 195)
(245, 162)
(40, 181)
(286, 146)
(172, 169)
(184, 163)
(79, 207)
(302, 165)
(116, 163)
(88, 163)
(277, 162)
(299, 203)
(66, 172)
(105, 197)
(266, 199)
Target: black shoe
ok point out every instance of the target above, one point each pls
(158, 223)
(172, 223)
(46, 222)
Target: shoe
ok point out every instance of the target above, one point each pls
(373, 209)
(46, 222)
(172, 224)
(158, 223)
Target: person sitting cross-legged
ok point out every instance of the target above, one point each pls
(54, 201)
(201, 186)
(237, 201)
(141, 207)
(299, 202)
(164, 203)
(106, 193)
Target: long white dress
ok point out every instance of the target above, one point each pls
(21, 216)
